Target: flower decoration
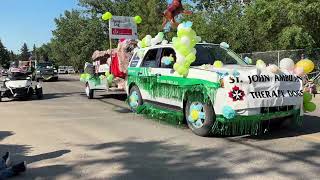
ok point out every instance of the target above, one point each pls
(222, 74)
(248, 60)
(236, 94)
(133, 100)
(167, 60)
(236, 73)
(197, 116)
(228, 112)
(187, 24)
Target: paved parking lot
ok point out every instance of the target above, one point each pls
(67, 136)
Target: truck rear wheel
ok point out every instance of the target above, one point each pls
(135, 98)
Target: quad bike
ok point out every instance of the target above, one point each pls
(20, 87)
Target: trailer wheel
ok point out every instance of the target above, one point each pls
(39, 93)
(89, 92)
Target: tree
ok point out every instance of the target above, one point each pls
(35, 53)
(13, 57)
(4, 56)
(76, 38)
(25, 54)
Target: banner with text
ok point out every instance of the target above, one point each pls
(122, 27)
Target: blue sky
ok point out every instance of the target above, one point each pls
(29, 21)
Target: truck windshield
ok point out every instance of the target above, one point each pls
(45, 65)
(208, 53)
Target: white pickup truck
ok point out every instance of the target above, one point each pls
(235, 99)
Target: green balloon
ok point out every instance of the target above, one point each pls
(307, 97)
(161, 34)
(191, 58)
(110, 78)
(310, 107)
(184, 50)
(176, 66)
(137, 19)
(107, 16)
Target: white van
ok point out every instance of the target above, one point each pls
(63, 70)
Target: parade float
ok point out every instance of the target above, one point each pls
(211, 89)
(108, 69)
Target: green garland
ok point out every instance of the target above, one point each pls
(165, 115)
(240, 125)
(157, 88)
(250, 124)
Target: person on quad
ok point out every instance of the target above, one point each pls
(15, 72)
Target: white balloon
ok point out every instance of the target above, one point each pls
(139, 44)
(272, 68)
(159, 39)
(148, 42)
(185, 40)
(198, 39)
(180, 58)
(153, 42)
(287, 64)
(194, 51)
(164, 42)
(180, 27)
(148, 37)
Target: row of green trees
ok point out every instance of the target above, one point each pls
(256, 25)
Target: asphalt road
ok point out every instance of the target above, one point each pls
(67, 136)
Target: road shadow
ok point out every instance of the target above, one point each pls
(48, 96)
(144, 160)
(120, 108)
(66, 79)
(51, 172)
(120, 97)
(5, 134)
(311, 125)
(161, 160)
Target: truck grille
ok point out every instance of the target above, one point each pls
(265, 110)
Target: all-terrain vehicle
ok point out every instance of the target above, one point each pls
(19, 85)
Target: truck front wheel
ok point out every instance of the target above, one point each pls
(200, 117)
